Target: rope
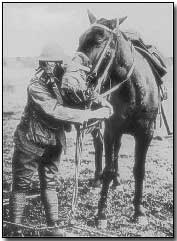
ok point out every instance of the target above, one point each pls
(94, 230)
(79, 138)
(39, 229)
(28, 227)
(116, 87)
(74, 227)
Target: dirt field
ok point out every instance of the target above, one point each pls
(158, 184)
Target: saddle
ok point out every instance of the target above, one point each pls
(151, 53)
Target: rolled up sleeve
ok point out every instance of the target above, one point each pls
(45, 102)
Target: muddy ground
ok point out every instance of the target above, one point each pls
(158, 184)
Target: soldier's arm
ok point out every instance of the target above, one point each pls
(45, 102)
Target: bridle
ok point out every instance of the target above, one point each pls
(104, 52)
(94, 72)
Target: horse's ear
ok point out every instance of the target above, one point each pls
(114, 23)
(121, 20)
(92, 18)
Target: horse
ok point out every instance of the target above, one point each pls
(135, 103)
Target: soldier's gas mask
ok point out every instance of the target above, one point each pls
(51, 69)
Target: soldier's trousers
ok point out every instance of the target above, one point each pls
(25, 164)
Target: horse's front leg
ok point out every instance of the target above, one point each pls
(142, 141)
(98, 145)
(107, 176)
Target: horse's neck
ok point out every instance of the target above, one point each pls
(124, 59)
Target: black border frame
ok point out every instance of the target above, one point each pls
(174, 120)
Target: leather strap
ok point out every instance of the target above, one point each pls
(116, 87)
(101, 26)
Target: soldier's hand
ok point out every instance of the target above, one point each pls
(103, 113)
(105, 103)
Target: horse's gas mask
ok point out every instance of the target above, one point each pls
(74, 86)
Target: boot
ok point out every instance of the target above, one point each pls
(17, 203)
(50, 202)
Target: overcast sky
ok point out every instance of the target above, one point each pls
(27, 27)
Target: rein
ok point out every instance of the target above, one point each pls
(102, 56)
(116, 87)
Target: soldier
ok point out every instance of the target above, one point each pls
(39, 140)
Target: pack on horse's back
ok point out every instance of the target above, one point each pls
(150, 52)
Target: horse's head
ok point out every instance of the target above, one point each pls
(98, 46)
(94, 40)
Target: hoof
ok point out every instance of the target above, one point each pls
(102, 223)
(91, 223)
(139, 215)
(95, 183)
(141, 220)
(141, 211)
(116, 183)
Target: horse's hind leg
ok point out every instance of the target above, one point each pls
(142, 141)
(98, 145)
(117, 145)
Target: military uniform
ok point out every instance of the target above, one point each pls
(39, 140)
(40, 137)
